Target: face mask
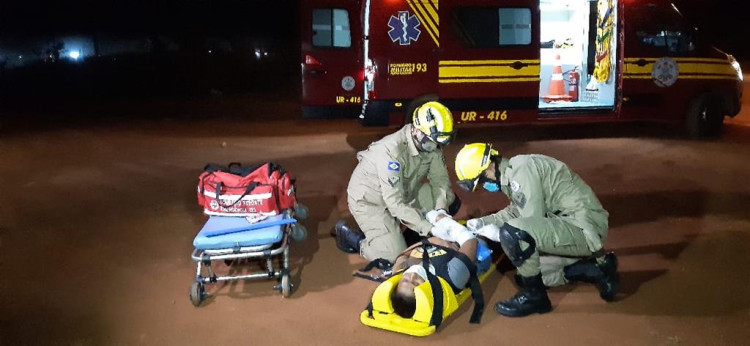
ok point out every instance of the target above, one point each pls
(491, 186)
(426, 144)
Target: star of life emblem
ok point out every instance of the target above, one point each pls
(403, 28)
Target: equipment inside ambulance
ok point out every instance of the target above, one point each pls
(516, 61)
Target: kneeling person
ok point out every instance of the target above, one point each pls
(553, 231)
(387, 188)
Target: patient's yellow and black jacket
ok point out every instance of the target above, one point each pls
(446, 265)
(439, 256)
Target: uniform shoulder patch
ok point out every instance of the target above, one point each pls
(393, 180)
(519, 199)
(515, 186)
(394, 166)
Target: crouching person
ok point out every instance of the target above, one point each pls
(553, 230)
(387, 188)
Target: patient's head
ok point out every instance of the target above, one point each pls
(402, 298)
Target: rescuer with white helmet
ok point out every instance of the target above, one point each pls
(552, 212)
(387, 190)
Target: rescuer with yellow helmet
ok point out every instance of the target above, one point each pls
(552, 211)
(387, 187)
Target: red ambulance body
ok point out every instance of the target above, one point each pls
(496, 62)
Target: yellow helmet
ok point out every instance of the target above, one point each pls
(434, 120)
(471, 161)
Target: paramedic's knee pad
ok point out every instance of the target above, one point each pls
(509, 240)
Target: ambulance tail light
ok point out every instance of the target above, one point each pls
(311, 61)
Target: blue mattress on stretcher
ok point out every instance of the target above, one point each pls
(236, 234)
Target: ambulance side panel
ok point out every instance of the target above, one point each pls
(403, 46)
(666, 65)
(489, 61)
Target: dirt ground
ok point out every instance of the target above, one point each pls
(97, 223)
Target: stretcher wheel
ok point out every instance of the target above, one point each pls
(286, 285)
(197, 293)
(300, 211)
(299, 232)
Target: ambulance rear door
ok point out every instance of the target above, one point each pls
(489, 61)
(332, 69)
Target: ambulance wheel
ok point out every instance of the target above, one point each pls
(300, 211)
(286, 285)
(705, 116)
(197, 293)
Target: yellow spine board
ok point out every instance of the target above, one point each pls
(383, 316)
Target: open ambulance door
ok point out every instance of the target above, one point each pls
(578, 56)
(489, 61)
(332, 69)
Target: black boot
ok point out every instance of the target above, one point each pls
(604, 275)
(609, 284)
(348, 239)
(531, 298)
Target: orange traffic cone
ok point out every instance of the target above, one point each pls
(556, 85)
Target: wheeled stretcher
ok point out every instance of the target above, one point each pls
(380, 313)
(229, 238)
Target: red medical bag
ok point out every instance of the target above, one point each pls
(265, 189)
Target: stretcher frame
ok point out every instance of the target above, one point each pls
(204, 259)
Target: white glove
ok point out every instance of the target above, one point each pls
(475, 224)
(450, 230)
(490, 232)
(433, 214)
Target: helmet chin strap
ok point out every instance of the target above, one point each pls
(497, 169)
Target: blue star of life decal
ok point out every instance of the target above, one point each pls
(404, 28)
(393, 166)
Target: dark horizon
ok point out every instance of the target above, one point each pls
(211, 17)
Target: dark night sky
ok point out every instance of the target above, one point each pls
(724, 19)
(212, 17)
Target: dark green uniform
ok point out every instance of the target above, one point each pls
(556, 208)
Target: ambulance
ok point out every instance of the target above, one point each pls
(514, 61)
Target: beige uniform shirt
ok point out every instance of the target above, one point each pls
(541, 186)
(390, 173)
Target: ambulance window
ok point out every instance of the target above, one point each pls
(331, 28)
(665, 31)
(515, 26)
(492, 27)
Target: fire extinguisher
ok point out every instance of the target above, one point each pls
(573, 78)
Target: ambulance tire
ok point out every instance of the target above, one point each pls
(416, 103)
(705, 116)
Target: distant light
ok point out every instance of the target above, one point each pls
(257, 54)
(209, 51)
(20, 56)
(74, 54)
(265, 53)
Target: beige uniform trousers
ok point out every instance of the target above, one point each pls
(383, 231)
